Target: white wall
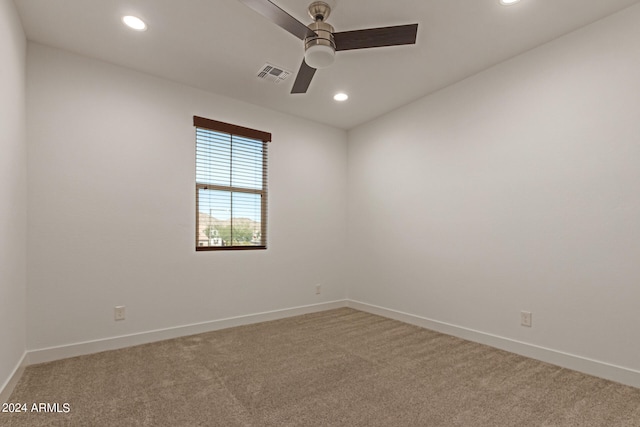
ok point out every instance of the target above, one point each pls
(516, 189)
(13, 189)
(112, 215)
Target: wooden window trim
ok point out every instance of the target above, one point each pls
(232, 129)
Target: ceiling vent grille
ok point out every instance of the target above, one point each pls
(272, 73)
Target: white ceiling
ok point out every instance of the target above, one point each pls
(219, 45)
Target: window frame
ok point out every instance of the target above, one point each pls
(244, 132)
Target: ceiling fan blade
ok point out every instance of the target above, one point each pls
(376, 37)
(303, 79)
(279, 17)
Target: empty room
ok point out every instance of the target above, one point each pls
(339, 212)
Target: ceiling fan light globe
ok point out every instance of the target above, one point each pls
(319, 56)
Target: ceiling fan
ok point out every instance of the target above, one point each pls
(320, 40)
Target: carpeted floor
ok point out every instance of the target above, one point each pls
(335, 368)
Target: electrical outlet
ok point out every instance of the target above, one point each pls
(525, 318)
(118, 312)
(318, 289)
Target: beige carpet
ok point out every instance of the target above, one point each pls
(335, 368)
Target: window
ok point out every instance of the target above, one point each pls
(231, 186)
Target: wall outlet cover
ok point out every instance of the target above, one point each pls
(526, 318)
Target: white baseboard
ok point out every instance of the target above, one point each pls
(78, 349)
(7, 388)
(577, 363)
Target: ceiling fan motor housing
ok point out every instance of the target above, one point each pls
(320, 48)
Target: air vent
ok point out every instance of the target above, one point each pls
(273, 74)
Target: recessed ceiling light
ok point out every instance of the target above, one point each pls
(134, 22)
(508, 2)
(341, 97)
